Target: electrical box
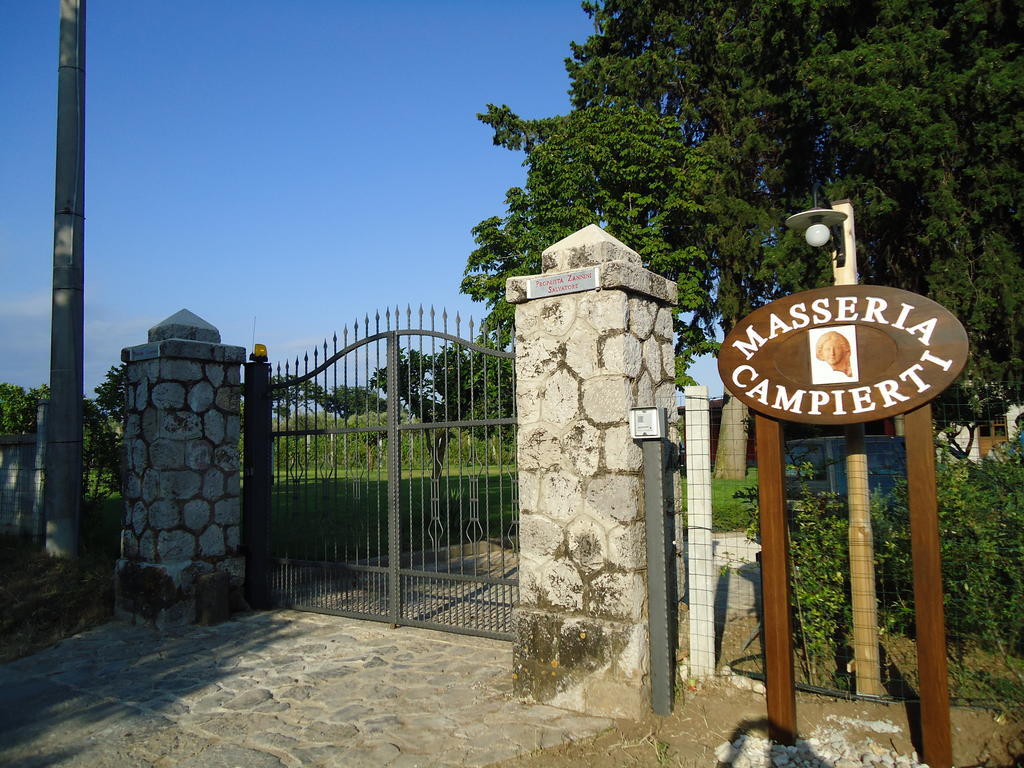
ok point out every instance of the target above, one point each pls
(647, 423)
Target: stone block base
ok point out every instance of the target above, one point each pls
(586, 664)
(164, 595)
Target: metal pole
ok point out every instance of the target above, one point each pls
(860, 537)
(257, 483)
(64, 436)
(661, 599)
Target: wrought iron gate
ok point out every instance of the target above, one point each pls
(380, 476)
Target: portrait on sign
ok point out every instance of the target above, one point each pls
(833, 353)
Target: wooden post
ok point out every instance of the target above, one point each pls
(862, 566)
(778, 624)
(863, 600)
(937, 744)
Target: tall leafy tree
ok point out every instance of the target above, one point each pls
(910, 108)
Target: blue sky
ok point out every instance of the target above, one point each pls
(293, 164)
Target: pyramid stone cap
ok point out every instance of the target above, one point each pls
(586, 248)
(184, 325)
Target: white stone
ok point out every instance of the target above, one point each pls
(538, 535)
(587, 246)
(167, 454)
(581, 351)
(668, 362)
(529, 489)
(233, 376)
(616, 497)
(197, 514)
(183, 484)
(140, 518)
(184, 324)
(663, 324)
(180, 370)
(621, 354)
(653, 360)
(226, 512)
(528, 401)
(587, 543)
(211, 543)
(213, 427)
(562, 585)
(231, 538)
(137, 455)
(168, 394)
(213, 484)
(173, 546)
(129, 545)
(226, 457)
(618, 595)
(232, 424)
(557, 315)
(147, 546)
(621, 452)
(538, 449)
(164, 515)
(604, 310)
(227, 399)
(561, 495)
(627, 546)
(215, 373)
(200, 396)
(581, 445)
(181, 425)
(642, 313)
(645, 391)
(607, 399)
(537, 357)
(150, 485)
(142, 394)
(198, 454)
(531, 571)
(561, 398)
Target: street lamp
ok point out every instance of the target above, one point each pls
(820, 225)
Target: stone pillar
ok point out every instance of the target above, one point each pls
(583, 360)
(181, 476)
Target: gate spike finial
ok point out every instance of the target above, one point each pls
(334, 343)
(444, 320)
(471, 328)
(408, 316)
(421, 316)
(397, 315)
(458, 323)
(432, 315)
(387, 319)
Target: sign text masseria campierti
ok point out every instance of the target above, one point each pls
(843, 354)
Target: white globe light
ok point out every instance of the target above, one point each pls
(817, 235)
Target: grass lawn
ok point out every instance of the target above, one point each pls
(727, 512)
(346, 517)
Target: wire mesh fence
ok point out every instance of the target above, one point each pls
(850, 563)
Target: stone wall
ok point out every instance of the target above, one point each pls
(582, 361)
(182, 518)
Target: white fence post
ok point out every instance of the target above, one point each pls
(700, 551)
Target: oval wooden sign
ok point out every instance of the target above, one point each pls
(843, 355)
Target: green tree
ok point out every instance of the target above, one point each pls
(18, 408)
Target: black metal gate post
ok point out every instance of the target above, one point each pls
(661, 578)
(394, 482)
(256, 482)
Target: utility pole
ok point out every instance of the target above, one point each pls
(64, 424)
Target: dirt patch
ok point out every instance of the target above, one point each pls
(45, 599)
(719, 712)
